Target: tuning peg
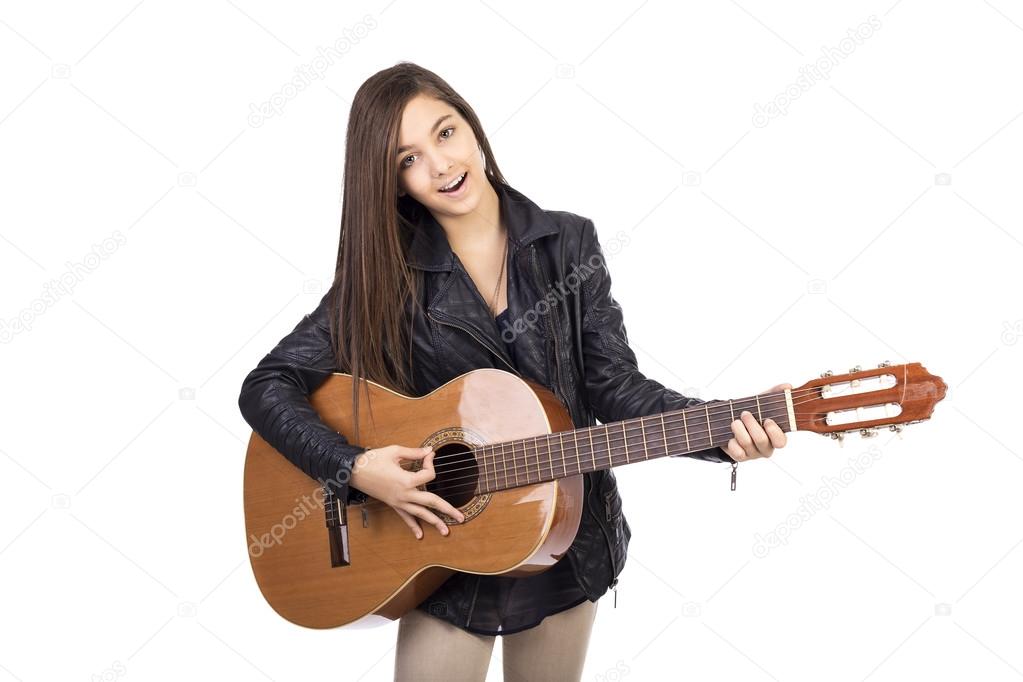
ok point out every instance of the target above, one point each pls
(897, 428)
(868, 433)
(857, 368)
(826, 374)
(839, 436)
(886, 363)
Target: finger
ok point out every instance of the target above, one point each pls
(775, 433)
(756, 432)
(427, 473)
(735, 451)
(437, 502)
(426, 515)
(414, 453)
(410, 521)
(742, 436)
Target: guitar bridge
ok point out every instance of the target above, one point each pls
(337, 528)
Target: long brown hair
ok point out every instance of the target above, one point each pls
(374, 290)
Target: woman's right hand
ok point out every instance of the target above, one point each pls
(378, 473)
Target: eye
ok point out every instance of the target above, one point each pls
(405, 162)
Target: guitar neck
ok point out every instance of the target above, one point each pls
(568, 453)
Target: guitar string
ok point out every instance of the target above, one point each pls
(718, 409)
(527, 467)
(640, 423)
(615, 440)
(491, 472)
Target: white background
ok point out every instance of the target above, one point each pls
(876, 219)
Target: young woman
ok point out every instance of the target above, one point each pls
(443, 268)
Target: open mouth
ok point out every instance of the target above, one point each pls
(457, 185)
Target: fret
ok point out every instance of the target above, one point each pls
(564, 460)
(607, 435)
(625, 440)
(731, 409)
(484, 458)
(539, 473)
(760, 415)
(575, 440)
(664, 434)
(642, 434)
(710, 430)
(578, 453)
(515, 466)
(685, 426)
(550, 455)
(504, 466)
(539, 464)
(593, 456)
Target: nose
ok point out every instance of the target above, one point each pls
(441, 165)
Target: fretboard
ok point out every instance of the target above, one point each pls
(568, 453)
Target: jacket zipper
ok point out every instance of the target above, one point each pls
(607, 511)
(541, 274)
(478, 338)
(472, 604)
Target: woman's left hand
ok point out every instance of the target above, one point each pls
(753, 440)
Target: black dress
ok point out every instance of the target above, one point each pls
(505, 605)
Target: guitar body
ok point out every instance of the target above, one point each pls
(515, 532)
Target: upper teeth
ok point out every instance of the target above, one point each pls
(454, 182)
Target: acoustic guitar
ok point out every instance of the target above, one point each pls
(509, 458)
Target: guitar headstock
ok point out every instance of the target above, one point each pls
(865, 400)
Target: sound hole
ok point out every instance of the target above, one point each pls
(457, 474)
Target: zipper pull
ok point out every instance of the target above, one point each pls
(614, 586)
(735, 467)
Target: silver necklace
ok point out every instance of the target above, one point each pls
(500, 276)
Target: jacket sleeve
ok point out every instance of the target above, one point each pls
(615, 387)
(274, 401)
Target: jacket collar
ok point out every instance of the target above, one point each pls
(430, 249)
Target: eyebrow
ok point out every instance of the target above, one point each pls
(402, 150)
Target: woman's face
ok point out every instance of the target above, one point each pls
(436, 147)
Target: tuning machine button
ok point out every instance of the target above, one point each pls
(825, 374)
(868, 433)
(886, 363)
(857, 368)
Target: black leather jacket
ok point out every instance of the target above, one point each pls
(569, 337)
